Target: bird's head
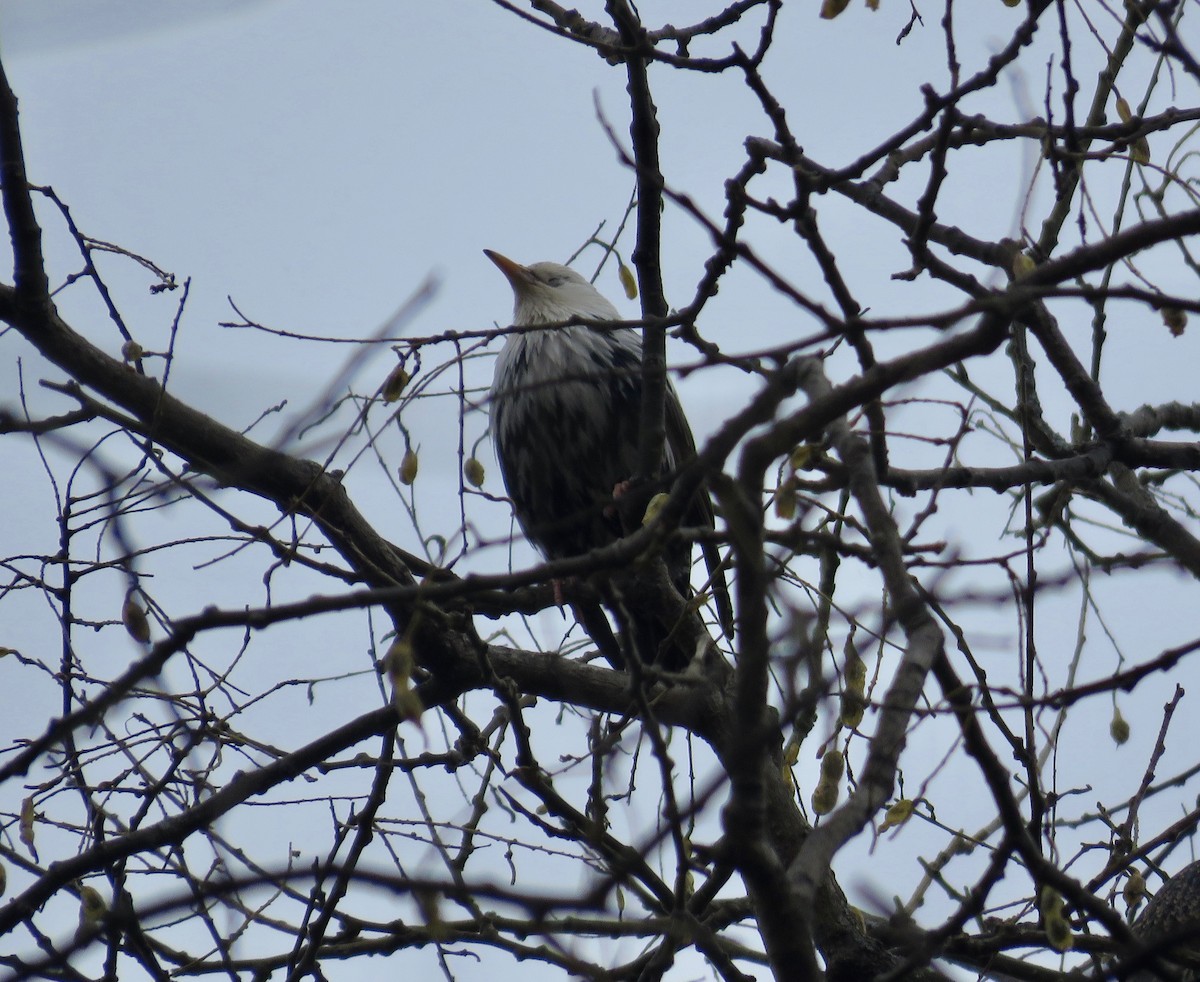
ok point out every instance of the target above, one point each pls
(549, 293)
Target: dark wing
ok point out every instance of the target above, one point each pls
(565, 423)
(1175, 906)
(681, 449)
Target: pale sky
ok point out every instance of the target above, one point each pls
(317, 162)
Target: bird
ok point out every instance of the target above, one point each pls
(565, 408)
(1172, 915)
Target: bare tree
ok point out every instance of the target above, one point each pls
(332, 746)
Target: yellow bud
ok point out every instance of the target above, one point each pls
(627, 281)
(1079, 431)
(398, 663)
(853, 708)
(1012, 3)
(131, 351)
(1123, 110)
(791, 754)
(1134, 889)
(785, 504)
(785, 498)
(133, 616)
(896, 815)
(825, 797)
(1058, 928)
(394, 385)
(25, 824)
(833, 765)
(473, 472)
(856, 672)
(799, 458)
(408, 704)
(3, 879)
(1118, 729)
(408, 467)
(656, 505)
(828, 789)
(1059, 934)
(854, 701)
(962, 845)
(831, 8)
(1050, 902)
(91, 905)
(92, 909)
(1022, 265)
(1139, 150)
(7, 651)
(1176, 320)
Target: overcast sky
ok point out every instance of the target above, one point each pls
(317, 162)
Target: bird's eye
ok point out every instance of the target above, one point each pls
(556, 281)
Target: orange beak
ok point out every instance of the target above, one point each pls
(517, 274)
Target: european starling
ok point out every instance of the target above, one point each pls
(1173, 915)
(565, 416)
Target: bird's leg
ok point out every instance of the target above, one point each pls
(619, 489)
(630, 499)
(584, 599)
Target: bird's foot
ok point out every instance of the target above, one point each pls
(619, 489)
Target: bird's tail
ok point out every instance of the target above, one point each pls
(719, 587)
